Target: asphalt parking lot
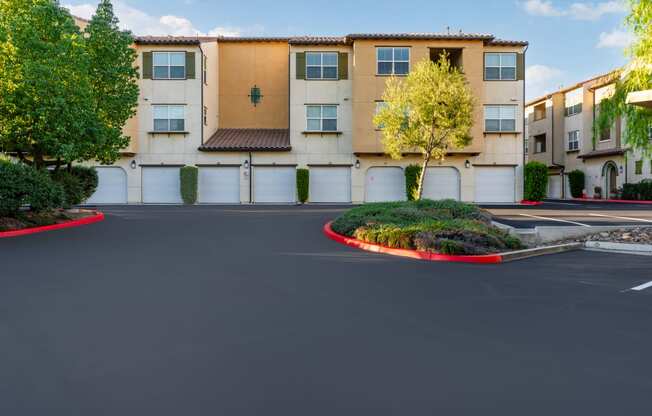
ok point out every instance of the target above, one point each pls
(252, 311)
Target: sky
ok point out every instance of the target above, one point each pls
(570, 40)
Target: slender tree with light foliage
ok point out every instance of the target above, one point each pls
(430, 111)
(636, 76)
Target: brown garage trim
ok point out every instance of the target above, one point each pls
(328, 165)
(219, 165)
(279, 165)
(505, 165)
(160, 166)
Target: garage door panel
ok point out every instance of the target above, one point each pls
(330, 184)
(275, 184)
(111, 186)
(495, 184)
(384, 184)
(441, 183)
(554, 187)
(219, 185)
(161, 185)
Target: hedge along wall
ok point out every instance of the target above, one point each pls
(536, 181)
(188, 179)
(303, 182)
(576, 182)
(412, 173)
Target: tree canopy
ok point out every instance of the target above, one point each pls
(429, 111)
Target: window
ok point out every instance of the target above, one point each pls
(392, 61)
(321, 118)
(169, 118)
(500, 66)
(205, 116)
(573, 102)
(638, 167)
(321, 65)
(540, 111)
(573, 109)
(574, 140)
(169, 65)
(498, 118)
(605, 135)
(540, 143)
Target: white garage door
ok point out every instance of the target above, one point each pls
(441, 183)
(111, 186)
(385, 184)
(275, 184)
(330, 184)
(219, 185)
(554, 187)
(494, 184)
(161, 185)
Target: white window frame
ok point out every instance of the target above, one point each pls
(168, 66)
(501, 66)
(500, 118)
(321, 66)
(393, 61)
(321, 118)
(573, 140)
(168, 107)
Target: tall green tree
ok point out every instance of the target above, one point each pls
(114, 81)
(430, 111)
(636, 76)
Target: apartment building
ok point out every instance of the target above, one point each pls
(560, 134)
(249, 111)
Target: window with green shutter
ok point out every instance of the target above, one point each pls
(301, 65)
(343, 65)
(638, 167)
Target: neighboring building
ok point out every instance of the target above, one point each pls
(249, 111)
(561, 134)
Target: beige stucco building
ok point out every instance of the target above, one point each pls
(249, 111)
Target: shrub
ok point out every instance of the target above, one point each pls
(72, 185)
(630, 191)
(88, 177)
(645, 189)
(536, 181)
(303, 184)
(14, 187)
(44, 193)
(576, 180)
(188, 179)
(412, 173)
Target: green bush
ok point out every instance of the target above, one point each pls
(536, 181)
(630, 191)
(14, 188)
(645, 189)
(412, 173)
(576, 180)
(188, 180)
(303, 184)
(44, 193)
(88, 177)
(72, 186)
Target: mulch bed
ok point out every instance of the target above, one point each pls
(27, 219)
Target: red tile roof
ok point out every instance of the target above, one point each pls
(617, 151)
(245, 140)
(318, 40)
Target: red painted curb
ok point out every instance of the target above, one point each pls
(414, 254)
(74, 223)
(616, 201)
(526, 202)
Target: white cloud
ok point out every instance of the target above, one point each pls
(577, 10)
(541, 79)
(143, 23)
(615, 39)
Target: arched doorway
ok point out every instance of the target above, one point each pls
(610, 174)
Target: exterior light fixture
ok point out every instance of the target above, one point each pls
(246, 165)
(357, 163)
(621, 169)
(467, 164)
(133, 164)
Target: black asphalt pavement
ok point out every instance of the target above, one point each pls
(252, 311)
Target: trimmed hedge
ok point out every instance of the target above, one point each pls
(536, 181)
(188, 179)
(303, 184)
(576, 180)
(412, 173)
(22, 185)
(641, 191)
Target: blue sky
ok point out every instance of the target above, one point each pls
(569, 40)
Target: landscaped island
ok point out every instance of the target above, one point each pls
(445, 227)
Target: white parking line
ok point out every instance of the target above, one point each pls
(642, 287)
(619, 218)
(555, 219)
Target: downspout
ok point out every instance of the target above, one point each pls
(251, 178)
(523, 117)
(201, 81)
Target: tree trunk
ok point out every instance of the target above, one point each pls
(422, 175)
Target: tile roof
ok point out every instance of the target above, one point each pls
(238, 140)
(426, 36)
(601, 153)
(167, 40)
(318, 40)
(505, 42)
(253, 39)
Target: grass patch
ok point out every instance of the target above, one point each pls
(445, 227)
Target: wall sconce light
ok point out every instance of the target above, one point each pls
(621, 169)
(133, 164)
(467, 164)
(357, 163)
(246, 165)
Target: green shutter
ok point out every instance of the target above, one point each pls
(301, 65)
(190, 65)
(520, 66)
(343, 65)
(147, 65)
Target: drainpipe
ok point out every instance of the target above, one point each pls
(523, 117)
(201, 82)
(251, 178)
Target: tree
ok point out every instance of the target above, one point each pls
(431, 111)
(114, 82)
(636, 76)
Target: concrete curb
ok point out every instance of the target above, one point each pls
(540, 251)
(644, 249)
(74, 223)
